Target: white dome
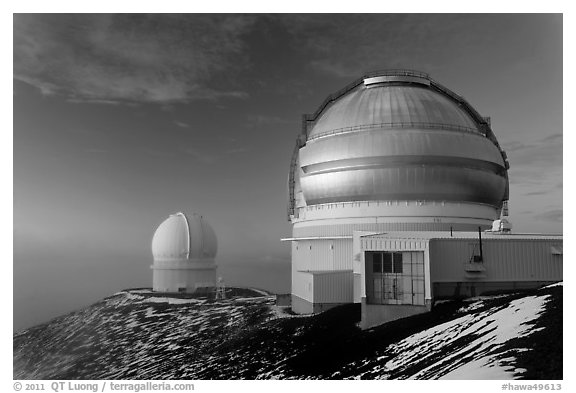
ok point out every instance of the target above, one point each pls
(182, 237)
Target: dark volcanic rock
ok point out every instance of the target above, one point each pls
(137, 334)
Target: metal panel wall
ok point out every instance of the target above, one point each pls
(303, 285)
(334, 287)
(504, 260)
(171, 280)
(343, 258)
(321, 254)
(301, 255)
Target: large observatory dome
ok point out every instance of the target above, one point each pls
(397, 136)
(182, 237)
(392, 151)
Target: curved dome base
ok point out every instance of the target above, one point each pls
(341, 219)
(183, 276)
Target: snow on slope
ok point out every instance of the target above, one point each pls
(468, 347)
(133, 335)
(138, 334)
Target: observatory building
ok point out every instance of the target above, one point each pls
(394, 151)
(184, 248)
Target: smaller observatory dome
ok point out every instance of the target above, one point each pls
(182, 237)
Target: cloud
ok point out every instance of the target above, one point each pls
(274, 259)
(534, 161)
(210, 158)
(555, 215)
(533, 193)
(181, 124)
(97, 151)
(236, 150)
(550, 140)
(158, 153)
(98, 101)
(348, 45)
(134, 58)
(227, 139)
(512, 146)
(201, 156)
(264, 120)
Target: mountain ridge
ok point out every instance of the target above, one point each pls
(139, 334)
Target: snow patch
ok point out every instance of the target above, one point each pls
(172, 300)
(251, 299)
(468, 347)
(477, 369)
(260, 291)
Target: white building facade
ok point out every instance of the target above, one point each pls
(398, 274)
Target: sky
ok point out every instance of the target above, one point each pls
(121, 120)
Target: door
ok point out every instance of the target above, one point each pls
(417, 265)
(395, 277)
(386, 281)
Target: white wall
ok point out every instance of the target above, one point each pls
(167, 278)
(504, 259)
(334, 287)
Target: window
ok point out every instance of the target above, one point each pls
(378, 289)
(387, 262)
(387, 265)
(377, 262)
(397, 262)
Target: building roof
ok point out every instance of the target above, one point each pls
(429, 235)
(402, 77)
(184, 237)
(393, 105)
(397, 135)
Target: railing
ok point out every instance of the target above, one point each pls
(328, 100)
(392, 125)
(377, 203)
(396, 72)
(300, 141)
(359, 81)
